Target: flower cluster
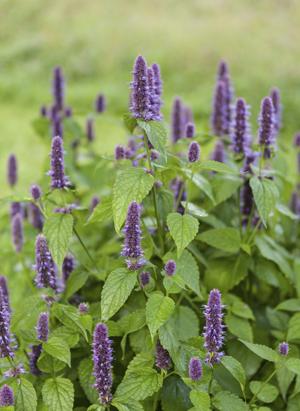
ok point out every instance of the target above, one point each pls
(44, 264)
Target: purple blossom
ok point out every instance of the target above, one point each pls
(58, 88)
(68, 267)
(83, 308)
(6, 396)
(119, 152)
(90, 129)
(187, 116)
(12, 170)
(57, 173)
(17, 232)
(35, 216)
(15, 208)
(283, 349)
(224, 77)
(218, 117)
(4, 287)
(36, 192)
(34, 355)
(68, 112)
(240, 130)
(213, 329)
(5, 337)
(140, 101)
(15, 371)
(157, 88)
(132, 244)
(194, 152)
(144, 278)
(44, 264)
(100, 103)
(42, 328)
(276, 100)
(102, 359)
(295, 203)
(266, 126)
(195, 369)
(94, 202)
(151, 114)
(246, 200)
(219, 152)
(57, 126)
(190, 130)
(162, 357)
(177, 121)
(170, 267)
(297, 140)
(43, 111)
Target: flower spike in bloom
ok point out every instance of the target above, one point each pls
(57, 173)
(218, 117)
(157, 88)
(4, 287)
(219, 152)
(90, 129)
(140, 102)
(283, 348)
(6, 396)
(44, 264)
(170, 267)
(42, 328)
(17, 232)
(100, 103)
(163, 360)
(177, 120)
(194, 152)
(68, 267)
(189, 130)
(12, 170)
(195, 369)
(276, 100)
(240, 127)
(58, 86)
(266, 137)
(144, 278)
(5, 337)
(224, 77)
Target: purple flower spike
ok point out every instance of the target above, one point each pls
(190, 130)
(223, 76)
(157, 88)
(297, 140)
(42, 328)
(162, 357)
(132, 244)
(119, 152)
(36, 192)
(15, 208)
(266, 126)
(94, 202)
(83, 308)
(177, 120)
(35, 216)
(213, 329)
(240, 132)
(246, 199)
(102, 359)
(144, 278)
(34, 355)
(100, 104)
(90, 129)
(276, 100)
(195, 369)
(12, 170)
(57, 126)
(44, 264)
(68, 267)
(43, 111)
(218, 118)
(283, 348)
(57, 173)
(5, 337)
(17, 232)
(170, 267)
(68, 112)
(140, 101)
(219, 152)
(295, 203)
(194, 152)
(4, 287)
(6, 396)
(58, 88)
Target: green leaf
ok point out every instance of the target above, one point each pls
(265, 194)
(183, 229)
(239, 327)
(212, 165)
(158, 310)
(129, 406)
(200, 182)
(76, 281)
(70, 317)
(264, 392)
(293, 364)
(284, 378)
(201, 400)
(87, 379)
(235, 368)
(262, 351)
(69, 336)
(58, 394)
(227, 239)
(294, 328)
(240, 309)
(289, 305)
(102, 212)
(194, 209)
(286, 211)
(188, 270)
(175, 395)
(132, 184)
(25, 395)
(224, 187)
(156, 133)
(59, 349)
(226, 401)
(116, 290)
(58, 229)
(47, 363)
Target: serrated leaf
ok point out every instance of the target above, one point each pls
(158, 310)
(201, 400)
(262, 351)
(116, 290)
(226, 401)
(212, 165)
(194, 209)
(47, 363)
(188, 270)
(70, 317)
(25, 395)
(87, 379)
(58, 229)
(235, 368)
(58, 348)
(69, 336)
(175, 395)
(284, 378)
(183, 229)
(200, 182)
(224, 187)
(289, 305)
(294, 328)
(239, 327)
(132, 184)
(227, 239)
(76, 281)
(293, 364)
(102, 212)
(156, 133)
(265, 194)
(58, 394)
(264, 392)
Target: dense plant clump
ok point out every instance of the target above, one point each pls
(165, 276)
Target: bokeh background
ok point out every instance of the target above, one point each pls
(96, 42)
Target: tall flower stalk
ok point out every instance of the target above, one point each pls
(44, 264)
(57, 172)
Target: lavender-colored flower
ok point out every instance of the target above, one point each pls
(35, 216)
(224, 77)
(17, 232)
(195, 369)
(295, 203)
(57, 173)
(42, 328)
(5, 337)
(68, 267)
(43, 111)
(83, 308)
(58, 88)
(276, 100)
(12, 170)
(218, 117)
(15, 208)
(283, 349)
(151, 114)
(190, 130)
(247, 203)
(102, 359)
(157, 88)
(94, 202)
(213, 329)
(144, 278)
(4, 287)
(68, 112)
(194, 152)
(266, 126)
(15, 371)
(119, 152)
(187, 116)
(177, 127)
(36, 192)
(162, 357)
(34, 355)
(6, 396)
(65, 210)
(240, 130)
(57, 126)
(100, 103)
(90, 129)
(219, 152)
(140, 101)
(44, 264)
(297, 140)
(132, 244)
(170, 267)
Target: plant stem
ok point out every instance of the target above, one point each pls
(85, 248)
(261, 387)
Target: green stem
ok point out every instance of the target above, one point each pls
(261, 387)
(254, 231)
(85, 248)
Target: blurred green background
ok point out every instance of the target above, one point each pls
(96, 42)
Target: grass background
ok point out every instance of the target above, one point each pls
(96, 41)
